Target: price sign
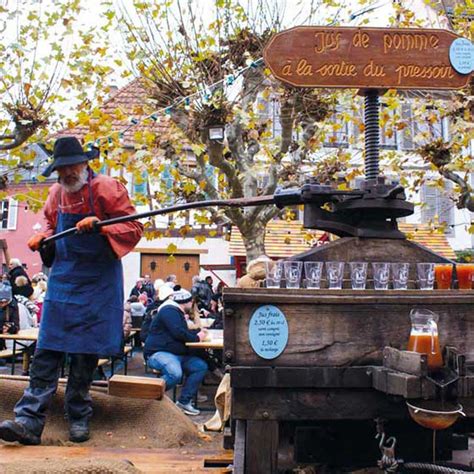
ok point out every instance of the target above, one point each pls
(268, 332)
(461, 55)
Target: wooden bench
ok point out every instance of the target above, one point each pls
(7, 353)
(124, 356)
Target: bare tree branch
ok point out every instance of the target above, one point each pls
(466, 198)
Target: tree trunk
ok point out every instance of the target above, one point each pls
(254, 241)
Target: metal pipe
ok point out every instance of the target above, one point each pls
(372, 134)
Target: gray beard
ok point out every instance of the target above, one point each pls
(73, 188)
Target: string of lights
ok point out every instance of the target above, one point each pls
(204, 93)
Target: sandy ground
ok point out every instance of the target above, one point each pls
(213, 442)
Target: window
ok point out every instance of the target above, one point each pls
(167, 184)
(388, 135)
(269, 109)
(437, 206)
(338, 134)
(421, 130)
(140, 185)
(9, 214)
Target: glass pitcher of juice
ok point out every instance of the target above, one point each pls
(424, 336)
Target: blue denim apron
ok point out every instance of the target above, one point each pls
(83, 307)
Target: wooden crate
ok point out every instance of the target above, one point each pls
(337, 328)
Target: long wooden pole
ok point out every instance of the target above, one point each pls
(238, 202)
(284, 198)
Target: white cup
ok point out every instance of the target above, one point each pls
(381, 275)
(273, 273)
(426, 275)
(335, 275)
(358, 275)
(400, 274)
(313, 272)
(293, 273)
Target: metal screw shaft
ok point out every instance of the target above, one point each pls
(372, 134)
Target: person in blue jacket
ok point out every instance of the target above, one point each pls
(165, 348)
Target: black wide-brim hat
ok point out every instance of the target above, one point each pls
(68, 151)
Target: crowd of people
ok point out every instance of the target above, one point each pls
(168, 317)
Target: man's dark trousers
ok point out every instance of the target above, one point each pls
(44, 374)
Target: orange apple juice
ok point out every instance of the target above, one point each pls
(443, 275)
(422, 343)
(465, 273)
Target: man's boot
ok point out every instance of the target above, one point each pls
(79, 430)
(13, 431)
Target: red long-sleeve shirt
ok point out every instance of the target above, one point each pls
(110, 200)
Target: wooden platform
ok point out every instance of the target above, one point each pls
(157, 461)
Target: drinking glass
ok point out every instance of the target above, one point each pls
(443, 275)
(313, 272)
(273, 273)
(400, 273)
(358, 275)
(381, 275)
(465, 273)
(426, 275)
(335, 275)
(293, 273)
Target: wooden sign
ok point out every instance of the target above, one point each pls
(381, 58)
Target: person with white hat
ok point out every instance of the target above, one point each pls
(166, 351)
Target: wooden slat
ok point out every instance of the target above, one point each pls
(309, 404)
(30, 334)
(136, 387)
(405, 361)
(301, 377)
(153, 461)
(8, 353)
(239, 447)
(390, 297)
(261, 447)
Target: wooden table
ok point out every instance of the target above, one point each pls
(216, 340)
(30, 335)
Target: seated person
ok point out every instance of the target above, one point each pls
(202, 292)
(166, 351)
(9, 315)
(164, 294)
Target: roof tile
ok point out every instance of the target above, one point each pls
(133, 102)
(287, 238)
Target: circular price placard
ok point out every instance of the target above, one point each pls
(461, 55)
(268, 332)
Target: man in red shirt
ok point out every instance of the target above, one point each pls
(83, 306)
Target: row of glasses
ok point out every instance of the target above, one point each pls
(383, 272)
